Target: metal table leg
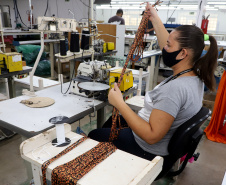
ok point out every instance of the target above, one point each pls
(12, 92)
(52, 60)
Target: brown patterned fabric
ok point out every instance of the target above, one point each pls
(71, 172)
(74, 170)
(136, 49)
(68, 149)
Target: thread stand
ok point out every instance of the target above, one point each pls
(61, 140)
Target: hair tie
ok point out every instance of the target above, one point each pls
(206, 37)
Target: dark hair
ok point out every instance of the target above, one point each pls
(192, 37)
(119, 11)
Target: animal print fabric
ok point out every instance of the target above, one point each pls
(71, 172)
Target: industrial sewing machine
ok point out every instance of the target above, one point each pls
(99, 71)
(56, 24)
(10, 62)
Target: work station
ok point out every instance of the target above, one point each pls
(112, 92)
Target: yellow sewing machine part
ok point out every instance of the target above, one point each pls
(105, 47)
(111, 81)
(13, 61)
(127, 81)
(111, 45)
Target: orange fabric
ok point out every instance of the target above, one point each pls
(216, 131)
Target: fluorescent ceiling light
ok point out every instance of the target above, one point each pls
(123, 5)
(139, 7)
(220, 6)
(124, 8)
(214, 3)
(127, 2)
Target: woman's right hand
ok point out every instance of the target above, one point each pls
(151, 12)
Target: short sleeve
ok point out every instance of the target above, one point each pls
(123, 22)
(167, 105)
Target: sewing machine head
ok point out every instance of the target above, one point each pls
(97, 71)
(56, 24)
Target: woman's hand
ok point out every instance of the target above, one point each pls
(151, 11)
(115, 96)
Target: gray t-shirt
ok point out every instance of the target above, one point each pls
(116, 19)
(181, 98)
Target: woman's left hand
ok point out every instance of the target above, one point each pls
(115, 96)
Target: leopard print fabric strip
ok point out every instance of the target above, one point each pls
(74, 170)
(137, 47)
(68, 149)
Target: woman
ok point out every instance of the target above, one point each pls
(173, 101)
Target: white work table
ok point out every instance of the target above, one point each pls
(36, 84)
(28, 121)
(146, 38)
(219, 44)
(32, 121)
(120, 168)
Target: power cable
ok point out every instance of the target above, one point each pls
(173, 11)
(15, 1)
(47, 6)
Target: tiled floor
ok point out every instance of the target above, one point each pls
(209, 169)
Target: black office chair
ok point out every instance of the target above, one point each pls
(184, 141)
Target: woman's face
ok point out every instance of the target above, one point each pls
(172, 44)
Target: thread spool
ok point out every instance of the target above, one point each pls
(60, 133)
(85, 39)
(60, 140)
(63, 47)
(74, 42)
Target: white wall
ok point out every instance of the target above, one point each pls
(76, 6)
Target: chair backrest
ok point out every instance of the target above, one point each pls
(180, 140)
(184, 141)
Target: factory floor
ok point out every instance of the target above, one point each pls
(209, 169)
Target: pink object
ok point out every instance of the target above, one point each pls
(191, 160)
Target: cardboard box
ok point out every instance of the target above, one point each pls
(24, 63)
(65, 67)
(8, 50)
(209, 101)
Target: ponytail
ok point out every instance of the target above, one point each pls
(205, 66)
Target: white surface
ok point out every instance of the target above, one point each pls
(224, 180)
(146, 37)
(38, 41)
(221, 60)
(147, 54)
(37, 119)
(219, 43)
(120, 168)
(136, 102)
(93, 86)
(120, 31)
(46, 82)
(26, 67)
(134, 72)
